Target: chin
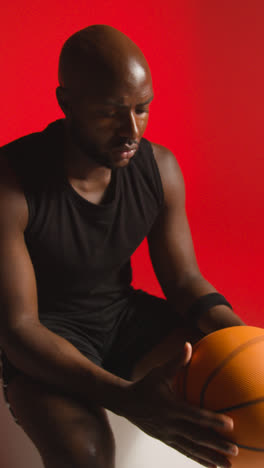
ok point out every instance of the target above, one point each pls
(121, 163)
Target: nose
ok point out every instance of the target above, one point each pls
(129, 127)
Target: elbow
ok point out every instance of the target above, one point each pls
(12, 332)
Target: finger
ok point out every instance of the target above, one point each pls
(180, 360)
(204, 417)
(193, 457)
(206, 438)
(203, 453)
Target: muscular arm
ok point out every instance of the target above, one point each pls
(31, 347)
(172, 252)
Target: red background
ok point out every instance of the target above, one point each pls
(207, 63)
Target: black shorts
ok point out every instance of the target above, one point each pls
(141, 324)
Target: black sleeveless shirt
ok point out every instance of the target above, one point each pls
(81, 251)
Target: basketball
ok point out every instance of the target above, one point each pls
(226, 375)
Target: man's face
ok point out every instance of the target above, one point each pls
(107, 125)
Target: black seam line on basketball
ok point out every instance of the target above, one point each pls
(224, 362)
(241, 405)
(252, 449)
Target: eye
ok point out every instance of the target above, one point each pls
(107, 114)
(142, 111)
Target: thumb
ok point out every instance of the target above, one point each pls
(171, 367)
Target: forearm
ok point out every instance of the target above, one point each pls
(218, 317)
(51, 359)
(215, 318)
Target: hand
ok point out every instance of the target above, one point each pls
(154, 407)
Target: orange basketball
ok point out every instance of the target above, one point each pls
(226, 374)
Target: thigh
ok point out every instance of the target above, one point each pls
(165, 350)
(149, 325)
(66, 432)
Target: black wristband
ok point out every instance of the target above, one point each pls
(204, 303)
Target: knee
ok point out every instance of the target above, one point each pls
(94, 456)
(87, 457)
(92, 453)
(82, 451)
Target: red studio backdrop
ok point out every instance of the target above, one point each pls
(207, 64)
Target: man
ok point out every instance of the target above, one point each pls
(76, 201)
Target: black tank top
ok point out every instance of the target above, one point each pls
(81, 251)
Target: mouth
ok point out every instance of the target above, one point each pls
(126, 152)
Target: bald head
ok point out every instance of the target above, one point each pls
(100, 57)
(105, 92)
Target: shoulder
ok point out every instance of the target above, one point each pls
(25, 145)
(13, 204)
(15, 158)
(33, 141)
(170, 172)
(165, 159)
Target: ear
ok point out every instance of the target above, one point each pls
(63, 101)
